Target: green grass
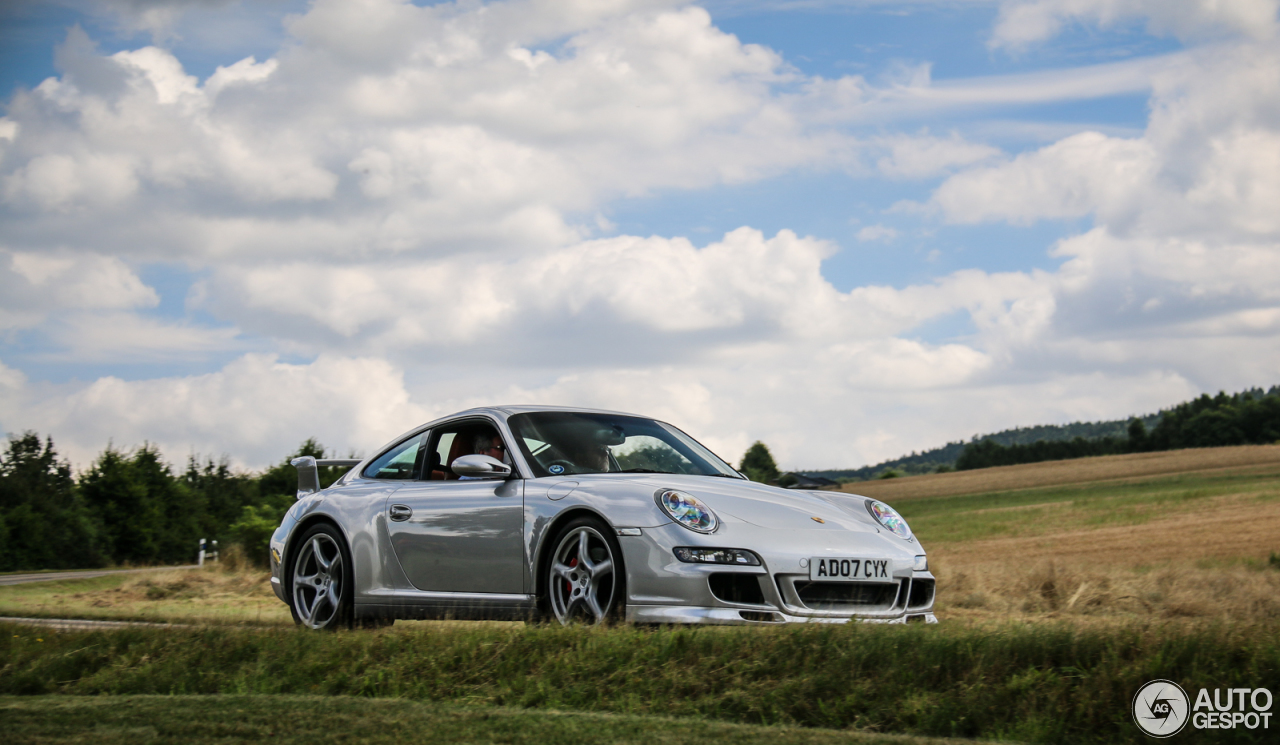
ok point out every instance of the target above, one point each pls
(315, 720)
(1027, 512)
(1038, 683)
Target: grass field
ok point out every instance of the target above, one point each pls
(128, 720)
(1062, 587)
(227, 594)
(1048, 682)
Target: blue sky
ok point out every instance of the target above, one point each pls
(849, 229)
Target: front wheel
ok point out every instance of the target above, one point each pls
(586, 581)
(320, 589)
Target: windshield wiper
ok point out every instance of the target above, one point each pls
(640, 470)
(722, 475)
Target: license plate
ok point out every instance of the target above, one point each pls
(847, 570)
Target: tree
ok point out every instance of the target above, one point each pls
(758, 464)
(43, 523)
(1137, 435)
(148, 515)
(223, 492)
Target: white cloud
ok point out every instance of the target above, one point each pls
(1025, 21)
(35, 285)
(877, 233)
(653, 289)
(924, 156)
(1077, 176)
(127, 337)
(255, 409)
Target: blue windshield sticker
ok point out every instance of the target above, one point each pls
(556, 469)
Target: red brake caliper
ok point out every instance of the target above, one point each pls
(568, 586)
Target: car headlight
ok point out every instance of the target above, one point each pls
(693, 555)
(687, 510)
(889, 518)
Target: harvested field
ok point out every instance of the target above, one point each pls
(1191, 534)
(1083, 470)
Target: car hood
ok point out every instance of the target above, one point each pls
(738, 500)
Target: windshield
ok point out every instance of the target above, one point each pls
(563, 443)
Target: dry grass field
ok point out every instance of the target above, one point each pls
(1187, 534)
(228, 593)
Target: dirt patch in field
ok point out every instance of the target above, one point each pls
(1245, 459)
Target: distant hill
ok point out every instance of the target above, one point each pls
(945, 457)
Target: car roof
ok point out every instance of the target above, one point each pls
(510, 409)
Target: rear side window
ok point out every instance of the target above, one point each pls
(396, 463)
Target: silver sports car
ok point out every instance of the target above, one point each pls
(577, 515)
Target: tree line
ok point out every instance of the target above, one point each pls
(1251, 417)
(132, 507)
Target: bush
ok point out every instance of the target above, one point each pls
(256, 524)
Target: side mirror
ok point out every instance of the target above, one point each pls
(481, 467)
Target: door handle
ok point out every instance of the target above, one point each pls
(400, 512)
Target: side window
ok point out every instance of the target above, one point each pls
(396, 463)
(454, 441)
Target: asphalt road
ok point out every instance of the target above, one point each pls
(22, 579)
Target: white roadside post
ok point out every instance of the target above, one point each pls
(215, 550)
(200, 556)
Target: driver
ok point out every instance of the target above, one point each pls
(490, 444)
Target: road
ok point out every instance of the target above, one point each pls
(22, 579)
(81, 624)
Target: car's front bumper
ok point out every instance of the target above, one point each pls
(727, 616)
(663, 589)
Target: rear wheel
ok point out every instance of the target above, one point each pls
(320, 591)
(585, 579)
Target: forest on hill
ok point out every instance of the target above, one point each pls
(1249, 417)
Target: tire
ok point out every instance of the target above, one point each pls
(320, 577)
(585, 576)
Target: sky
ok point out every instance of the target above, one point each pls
(849, 229)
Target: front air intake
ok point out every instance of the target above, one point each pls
(737, 588)
(846, 595)
(921, 594)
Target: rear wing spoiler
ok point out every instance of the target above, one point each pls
(309, 471)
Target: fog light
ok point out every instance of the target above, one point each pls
(921, 564)
(739, 556)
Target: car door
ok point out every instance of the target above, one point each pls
(458, 535)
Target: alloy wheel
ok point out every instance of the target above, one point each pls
(583, 581)
(317, 582)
